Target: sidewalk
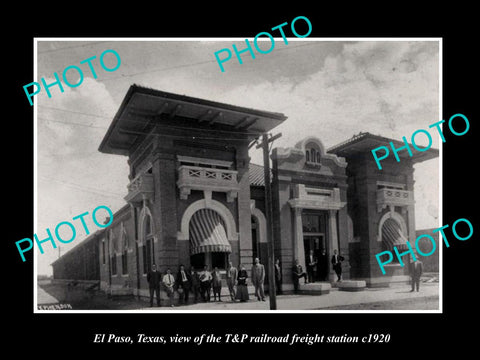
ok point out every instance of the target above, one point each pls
(319, 302)
(44, 298)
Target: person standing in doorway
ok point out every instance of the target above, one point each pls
(416, 270)
(153, 279)
(337, 264)
(278, 277)
(311, 266)
(169, 282)
(258, 278)
(232, 273)
(322, 266)
(183, 284)
(205, 283)
(216, 284)
(298, 273)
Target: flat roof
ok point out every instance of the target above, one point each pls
(144, 107)
(366, 142)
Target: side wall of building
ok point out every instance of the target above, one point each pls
(368, 209)
(79, 263)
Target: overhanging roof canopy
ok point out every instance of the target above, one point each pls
(143, 107)
(366, 142)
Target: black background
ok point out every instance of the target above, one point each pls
(60, 335)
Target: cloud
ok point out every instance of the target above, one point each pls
(70, 180)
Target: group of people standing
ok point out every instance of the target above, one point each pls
(200, 284)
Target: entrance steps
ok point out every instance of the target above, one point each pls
(316, 288)
(351, 285)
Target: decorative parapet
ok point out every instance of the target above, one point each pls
(140, 188)
(207, 179)
(393, 197)
(315, 198)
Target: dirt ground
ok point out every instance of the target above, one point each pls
(80, 299)
(428, 303)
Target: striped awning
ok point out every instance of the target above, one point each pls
(392, 235)
(207, 233)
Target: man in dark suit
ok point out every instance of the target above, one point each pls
(298, 273)
(337, 264)
(311, 266)
(153, 279)
(216, 284)
(183, 282)
(416, 270)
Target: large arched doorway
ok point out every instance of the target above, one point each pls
(259, 235)
(392, 235)
(255, 238)
(208, 240)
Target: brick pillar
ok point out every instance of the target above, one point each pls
(244, 212)
(298, 248)
(164, 209)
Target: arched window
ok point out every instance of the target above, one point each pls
(124, 251)
(148, 249)
(392, 236)
(255, 238)
(103, 251)
(312, 154)
(113, 252)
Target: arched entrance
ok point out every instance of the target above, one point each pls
(259, 235)
(393, 233)
(208, 240)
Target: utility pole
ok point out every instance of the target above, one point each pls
(268, 207)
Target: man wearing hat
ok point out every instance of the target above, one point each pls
(416, 270)
(153, 279)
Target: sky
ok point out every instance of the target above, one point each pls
(330, 89)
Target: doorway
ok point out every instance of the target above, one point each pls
(314, 238)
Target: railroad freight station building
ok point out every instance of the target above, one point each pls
(195, 199)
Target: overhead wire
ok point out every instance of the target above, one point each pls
(70, 47)
(186, 65)
(82, 187)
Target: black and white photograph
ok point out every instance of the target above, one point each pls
(207, 181)
(174, 148)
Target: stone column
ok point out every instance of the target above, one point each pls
(333, 241)
(298, 248)
(243, 203)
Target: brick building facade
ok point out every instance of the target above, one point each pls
(195, 199)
